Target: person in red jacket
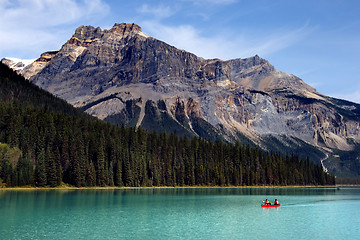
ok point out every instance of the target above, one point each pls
(266, 202)
(276, 202)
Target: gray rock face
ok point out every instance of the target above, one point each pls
(124, 76)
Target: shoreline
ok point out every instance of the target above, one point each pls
(30, 188)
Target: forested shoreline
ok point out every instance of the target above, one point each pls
(46, 142)
(80, 151)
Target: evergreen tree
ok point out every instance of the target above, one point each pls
(91, 176)
(51, 168)
(77, 165)
(40, 170)
(25, 170)
(101, 179)
(6, 171)
(118, 174)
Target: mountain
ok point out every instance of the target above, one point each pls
(125, 77)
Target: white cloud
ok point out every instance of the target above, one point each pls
(160, 11)
(224, 45)
(185, 37)
(278, 40)
(352, 96)
(40, 13)
(28, 23)
(215, 2)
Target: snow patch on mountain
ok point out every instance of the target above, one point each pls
(17, 64)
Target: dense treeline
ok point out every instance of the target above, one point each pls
(348, 181)
(80, 151)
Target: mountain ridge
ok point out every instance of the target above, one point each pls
(126, 77)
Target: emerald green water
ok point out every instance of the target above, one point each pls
(305, 213)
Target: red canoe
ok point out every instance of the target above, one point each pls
(266, 206)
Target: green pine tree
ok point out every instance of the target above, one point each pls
(40, 170)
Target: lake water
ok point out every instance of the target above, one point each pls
(305, 213)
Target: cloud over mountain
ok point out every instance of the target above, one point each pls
(25, 24)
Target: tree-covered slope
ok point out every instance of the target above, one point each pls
(58, 145)
(15, 87)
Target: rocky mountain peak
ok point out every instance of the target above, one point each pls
(256, 60)
(85, 35)
(125, 28)
(88, 33)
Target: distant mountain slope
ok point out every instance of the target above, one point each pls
(17, 64)
(123, 76)
(15, 87)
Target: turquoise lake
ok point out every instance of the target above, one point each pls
(206, 213)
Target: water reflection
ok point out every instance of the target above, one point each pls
(232, 191)
(101, 195)
(53, 199)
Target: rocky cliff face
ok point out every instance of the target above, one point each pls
(126, 77)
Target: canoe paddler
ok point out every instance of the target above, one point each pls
(276, 202)
(266, 202)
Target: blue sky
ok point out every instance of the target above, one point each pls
(318, 41)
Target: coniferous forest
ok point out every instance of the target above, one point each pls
(46, 142)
